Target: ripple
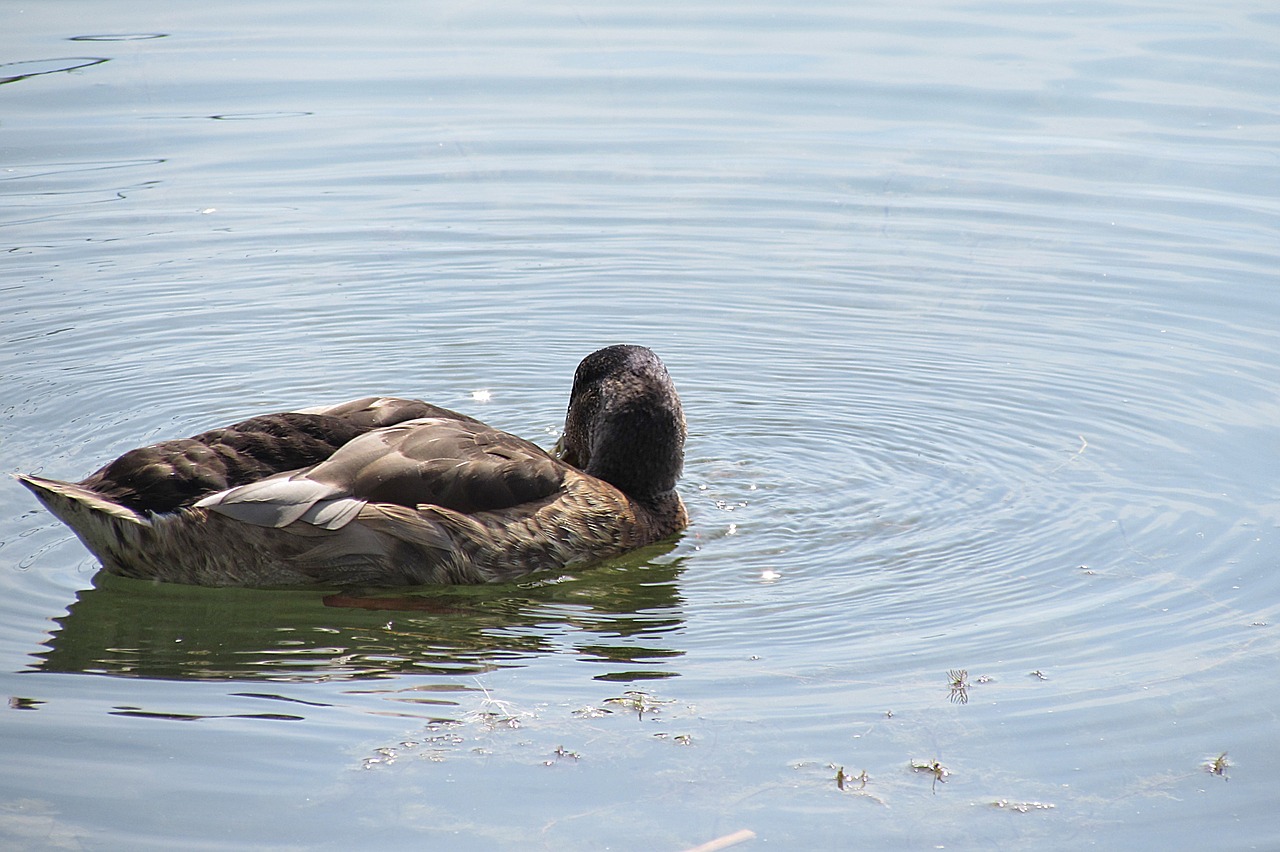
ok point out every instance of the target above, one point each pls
(119, 37)
(12, 72)
(257, 116)
(33, 171)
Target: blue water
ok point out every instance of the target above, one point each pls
(973, 309)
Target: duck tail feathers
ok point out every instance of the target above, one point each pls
(69, 501)
(102, 525)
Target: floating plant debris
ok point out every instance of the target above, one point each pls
(1218, 766)
(959, 686)
(1022, 807)
(934, 768)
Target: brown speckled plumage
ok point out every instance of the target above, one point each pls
(392, 492)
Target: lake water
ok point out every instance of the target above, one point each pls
(975, 313)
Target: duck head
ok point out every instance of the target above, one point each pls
(625, 424)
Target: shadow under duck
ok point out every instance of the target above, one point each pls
(390, 492)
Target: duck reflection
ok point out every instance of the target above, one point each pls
(620, 615)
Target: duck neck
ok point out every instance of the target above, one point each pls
(667, 509)
(640, 451)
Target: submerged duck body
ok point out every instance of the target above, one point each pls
(382, 491)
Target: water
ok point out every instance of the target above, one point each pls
(973, 309)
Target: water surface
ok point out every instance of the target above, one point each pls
(973, 308)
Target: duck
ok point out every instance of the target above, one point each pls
(383, 491)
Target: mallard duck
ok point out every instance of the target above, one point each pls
(387, 492)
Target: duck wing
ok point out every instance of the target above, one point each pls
(166, 476)
(461, 465)
(375, 412)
